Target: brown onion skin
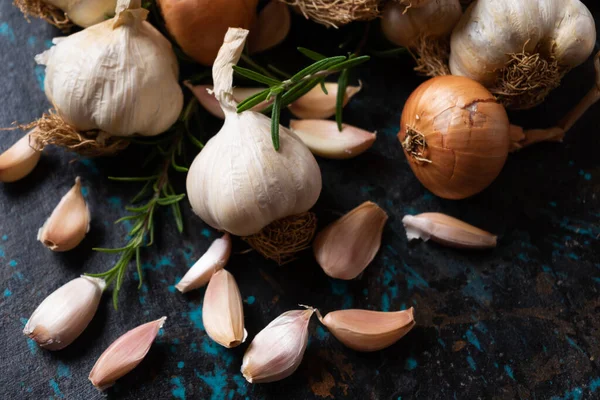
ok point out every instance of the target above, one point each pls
(199, 26)
(466, 132)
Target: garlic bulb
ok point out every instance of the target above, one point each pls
(65, 314)
(118, 77)
(521, 49)
(239, 183)
(69, 222)
(19, 160)
(81, 12)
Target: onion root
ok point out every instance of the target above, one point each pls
(335, 13)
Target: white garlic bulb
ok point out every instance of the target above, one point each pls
(239, 183)
(85, 12)
(118, 76)
(490, 31)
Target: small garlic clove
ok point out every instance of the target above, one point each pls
(223, 311)
(365, 330)
(212, 261)
(317, 105)
(68, 223)
(19, 160)
(324, 139)
(124, 354)
(65, 313)
(271, 28)
(277, 350)
(345, 248)
(447, 231)
(207, 99)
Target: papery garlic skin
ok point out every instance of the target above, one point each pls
(347, 246)
(564, 30)
(212, 261)
(124, 354)
(239, 183)
(366, 330)
(19, 160)
(69, 222)
(317, 105)
(223, 310)
(324, 139)
(119, 76)
(447, 231)
(85, 12)
(276, 352)
(65, 313)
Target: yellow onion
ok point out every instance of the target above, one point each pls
(455, 136)
(199, 26)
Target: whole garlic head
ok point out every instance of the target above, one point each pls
(118, 76)
(85, 12)
(239, 183)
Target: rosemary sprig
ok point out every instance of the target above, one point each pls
(289, 90)
(157, 192)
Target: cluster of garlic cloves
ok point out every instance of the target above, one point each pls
(69, 222)
(124, 354)
(447, 231)
(347, 246)
(19, 160)
(213, 260)
(65, 313)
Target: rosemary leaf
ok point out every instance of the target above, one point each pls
(195, 141)
(127, 218)
(341, 96)
(253, 100)
(133, 179)
(275, 121)
(323, 87)
(255, 76)
(166, 201)
(115, 250)
(138, 263)
(313, 55)
(178, 219)
(176, 167)
(350, 63)
(316, 67)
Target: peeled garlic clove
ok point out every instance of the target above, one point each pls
(364, 330)
(207, 99)
(68, 223)
(124, 354)
(345, 248)
(19, 160)
(317, 105)
(271, 28)
(212, 261)
(65, 314)
(447, 231)
(222, 311)
(277, 350)
(324, 139)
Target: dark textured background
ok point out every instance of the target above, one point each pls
(520, 321)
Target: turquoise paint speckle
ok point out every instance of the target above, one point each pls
(91, 165)
(509, 372)
(5, 237)
(7, 32)
(30, 342)
(552, 204)
(63, 370)
(410, 364)
(2, 251)
(12, 263)
(180, 364)
(385, 302)
(250, 300)
(340, 288)
(480, 326)
(321, 333)
(239, 380)
(573, 344)
(477, 289)
(587, 177)
(211, 348)
(366, 291)
(523, 257)
(40, 76)
(56, 389)
(594, 385)
(48, 43)
(196, 317)
(575, 394)
(442, 343)
(413, 279)
(163, 261)
(194, 347)
(428, 196)
(217, 382)
(573, 256)
(206, 233)
(472, 363)
(31, 40)
(115, 202)
(172, 288)
(84, 191)
(7, 292)
(471, 338)
(179, 390)
(18, 275)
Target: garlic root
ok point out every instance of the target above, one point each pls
(335, 13)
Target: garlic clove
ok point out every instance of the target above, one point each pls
(277, 350)
(345, 248)
(65, 313)
(271, 28)
(68, 223)
(207, 99)
(124, 354)
(317, 105)
(222, 311)
(212, 261)
(19, 160)
(447, 231)
(365, 330)
(324, 139)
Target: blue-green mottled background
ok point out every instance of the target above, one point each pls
(520, 321)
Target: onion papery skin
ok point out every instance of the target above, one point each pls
(466, 135)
